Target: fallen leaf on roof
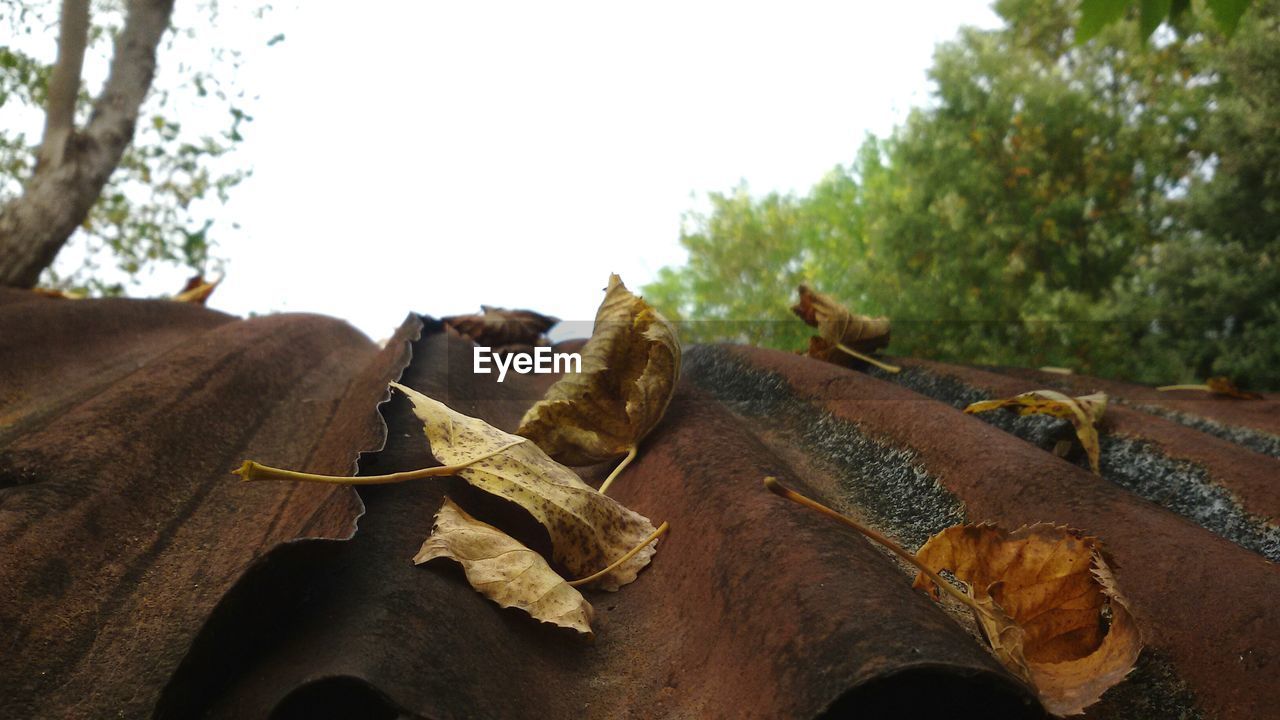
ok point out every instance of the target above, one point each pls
(841, 330)
(1043, 596)
(497, 327)
(629, 370)
(503, 570)
(1220, 385)
(589, 531)
(1083, 412)
(57, 294)
(1050, 606)
(197, 290)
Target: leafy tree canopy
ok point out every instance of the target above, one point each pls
(1108, 206)
(1097, 14)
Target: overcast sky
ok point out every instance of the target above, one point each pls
(433, 156)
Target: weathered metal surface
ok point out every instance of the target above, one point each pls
(1206, 606)
(750, 609)
(138, 578)
(121, 528)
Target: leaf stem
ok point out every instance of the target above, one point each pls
(777, 488)
(631, 455)
(868, 359)
(1164, 388)
(251, 470)
(616, 563)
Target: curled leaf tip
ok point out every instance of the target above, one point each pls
(630, 366)
(1082, 412)
(197, 290)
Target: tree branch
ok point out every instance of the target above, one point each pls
(58, 197)
(64, 85)
(133, 67)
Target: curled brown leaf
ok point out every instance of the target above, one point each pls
(498, 327)
(841, 332)
(1043, 597)
(630, 366)
(1048, 603)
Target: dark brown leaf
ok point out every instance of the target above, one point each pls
(497, 327)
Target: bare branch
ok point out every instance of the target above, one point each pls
(64, 85)
(133, 67)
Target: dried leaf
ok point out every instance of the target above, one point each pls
(197, 290)
(1220, 385)
(57, 294)
(497, 327)
(629, 371)
(841, 331)
(1043, 596)
(1057, 370)
(837, 325)
(1223, 386)
(503, 570)
(1050, 606)
(588, 530)
(1083, 412)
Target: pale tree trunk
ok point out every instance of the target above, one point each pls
(73, 164)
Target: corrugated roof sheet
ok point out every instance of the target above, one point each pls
(139, 578)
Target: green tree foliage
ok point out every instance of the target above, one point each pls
(158, 208)
(1105, 206)
(1215, 277)
(1097, 14)
(746, 258)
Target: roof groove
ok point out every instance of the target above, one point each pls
(1205, 605)
(1253, 424)
(1209, 496)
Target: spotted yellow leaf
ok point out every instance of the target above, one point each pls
(1083, 412)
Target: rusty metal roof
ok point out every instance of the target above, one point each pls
(140, 579)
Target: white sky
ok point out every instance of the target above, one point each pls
(430, 156)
